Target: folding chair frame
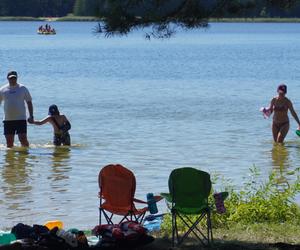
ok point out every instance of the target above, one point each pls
(193, 227)
(130, 216)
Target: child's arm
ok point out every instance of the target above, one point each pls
(41, 122)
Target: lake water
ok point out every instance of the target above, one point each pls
(152, 106)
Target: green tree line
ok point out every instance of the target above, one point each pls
(36, 8)
(232, 8)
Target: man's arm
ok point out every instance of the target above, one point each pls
(30, 110)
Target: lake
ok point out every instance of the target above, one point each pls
(153, 106)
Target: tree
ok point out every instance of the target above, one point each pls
(79, 8)
(163, 16)
(36, 8)
(86, 8)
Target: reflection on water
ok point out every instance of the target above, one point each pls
(60, 168)
(280, 156)
(16, 172)
(281, 163)
(35, 184)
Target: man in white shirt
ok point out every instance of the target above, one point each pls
(14, 96)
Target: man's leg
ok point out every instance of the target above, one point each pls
(22, 133)
(9, 140)
(23, 140)
(9, 133)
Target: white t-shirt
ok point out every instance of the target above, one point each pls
(14, 101)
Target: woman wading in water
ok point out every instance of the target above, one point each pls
(280, 105)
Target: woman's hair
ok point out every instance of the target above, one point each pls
(53, 110)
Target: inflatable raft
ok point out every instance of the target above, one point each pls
(46, 32)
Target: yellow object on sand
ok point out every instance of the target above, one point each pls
(53, 224)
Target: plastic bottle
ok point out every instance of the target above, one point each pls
(151, 203)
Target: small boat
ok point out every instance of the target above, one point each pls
(47, 30)
(52, 32)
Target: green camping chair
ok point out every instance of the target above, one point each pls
(189, 190)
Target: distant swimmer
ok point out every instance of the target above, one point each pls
(280, 105)
(14, 96)
(60, 124)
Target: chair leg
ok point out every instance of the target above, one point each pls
(173, 229)
(209, 226)
(100, 216)
(176, 229)
(192, 228)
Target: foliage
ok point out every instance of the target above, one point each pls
(163, 17)
(257, 201)
(86, 8)
(36, 8)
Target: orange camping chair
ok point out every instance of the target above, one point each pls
(117, 188)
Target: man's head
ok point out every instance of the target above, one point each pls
(12, 74)
(12, 77)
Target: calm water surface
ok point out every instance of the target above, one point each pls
(153, 106)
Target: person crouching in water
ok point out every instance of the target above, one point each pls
(60, 124)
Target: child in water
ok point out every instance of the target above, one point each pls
(60, 124)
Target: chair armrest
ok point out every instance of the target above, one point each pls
(139, 201)
(167, 196)
(158, 198)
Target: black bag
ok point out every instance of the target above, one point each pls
(22, 231)
(65, 127)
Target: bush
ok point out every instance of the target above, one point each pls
(257, 201)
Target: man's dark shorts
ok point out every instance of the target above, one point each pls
(15, 127)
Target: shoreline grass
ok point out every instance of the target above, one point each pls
(73, 18)
(257, 236)
(260, 215)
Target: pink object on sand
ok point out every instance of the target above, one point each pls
(266, 112)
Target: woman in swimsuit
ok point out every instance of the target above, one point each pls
(280, 106)
(60, 125)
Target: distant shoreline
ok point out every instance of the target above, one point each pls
(255, 20)
(69, 18)
(72, 18)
